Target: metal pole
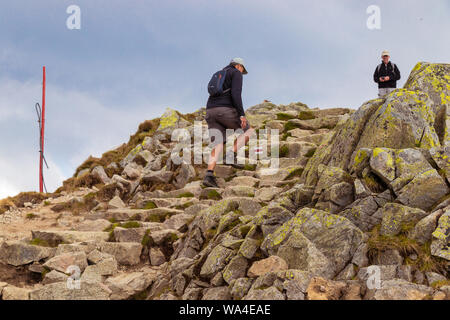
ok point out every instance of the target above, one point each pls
(41, 159)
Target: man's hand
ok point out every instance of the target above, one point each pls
(387, 78)
(381, 79)
(243, 122)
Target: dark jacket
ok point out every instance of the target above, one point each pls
(386, 70)
(231, 98)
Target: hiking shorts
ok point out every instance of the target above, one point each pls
(219, 119)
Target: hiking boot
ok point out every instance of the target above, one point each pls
(210, 181)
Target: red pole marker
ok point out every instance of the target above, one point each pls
(41, 159)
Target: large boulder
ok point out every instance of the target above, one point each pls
(337, 148)
(99, 173)
(398, 218)
(271, 264)
(171, 120)
(55, 238)
(61, 291)
(405, 120)
(334, 236)
(15, 293)
(424, 190)
(216, 261)
(125, 285)
(126, 253)
(18, 253)
(433, 79)
(398, 289)
(63, 262)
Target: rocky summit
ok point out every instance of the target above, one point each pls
(358, 208)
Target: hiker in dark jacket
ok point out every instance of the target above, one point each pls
(386, 75)
(225, 111)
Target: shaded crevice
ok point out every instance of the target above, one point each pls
(439, 124)
(421, 137)
(436, 167)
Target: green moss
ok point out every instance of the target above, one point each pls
(90, 196)
(285, 136)
(244, 230)
(147, 241)
(306, 115)
(184, 205)
(150, 205)
(172, 238)
(47, 203)
(284, 116)
(130, 225)
(111, 237)
(440, 283)
(44, 272)
(186, 195)
(30, 216)
(111, 227)
(310, 152)
(169, 119)
(152, 217)
(141, 295)
(288, 126)
(214, 195)
(294, 173)
(361, 155)
(250, 167)
(228, 179)
(39, 242)
(284, 151)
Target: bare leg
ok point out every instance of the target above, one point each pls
(214, 157)
(243, 139)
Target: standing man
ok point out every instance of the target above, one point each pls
(224, 110)
(386, 75)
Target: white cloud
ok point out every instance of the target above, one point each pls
(7, 189)
(77, 125)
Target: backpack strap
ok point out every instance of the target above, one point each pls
(393, 67)
(229, 89)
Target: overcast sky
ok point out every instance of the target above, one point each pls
(132, 59)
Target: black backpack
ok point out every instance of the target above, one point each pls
(393, 67)
(215, 85)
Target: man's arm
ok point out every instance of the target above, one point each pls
(236, 93)
(397, 73)
(376, 77)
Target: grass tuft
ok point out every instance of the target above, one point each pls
(306, 115)
(425, 262)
